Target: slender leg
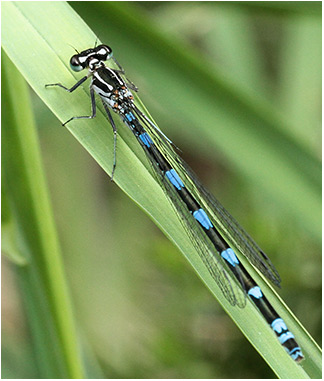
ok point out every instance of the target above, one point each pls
(92, 95)
(112, 123)
(93, 109)
(129, 83)
(119, 66)
(122, 71)
(66, 88)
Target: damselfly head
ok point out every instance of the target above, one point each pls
(90, 57)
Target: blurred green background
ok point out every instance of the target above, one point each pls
(134, 295)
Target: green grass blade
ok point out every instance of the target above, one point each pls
(41, 53)
(40, 275)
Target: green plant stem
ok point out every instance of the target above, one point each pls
(44, 287)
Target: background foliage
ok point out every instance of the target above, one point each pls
(132, 291)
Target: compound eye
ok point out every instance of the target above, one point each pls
(104, 51)
(75, 63)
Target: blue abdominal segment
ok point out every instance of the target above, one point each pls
(145, 137)
(174, 179)
(230, 257)
(201, 216)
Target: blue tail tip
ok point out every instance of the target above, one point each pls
(297, 354)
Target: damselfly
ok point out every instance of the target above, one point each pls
(210, 227)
